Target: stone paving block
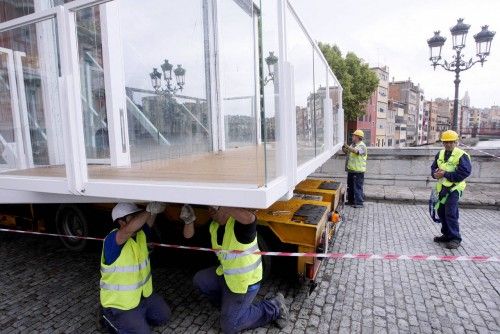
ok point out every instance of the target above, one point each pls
(42, 288)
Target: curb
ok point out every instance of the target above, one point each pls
(467, 205)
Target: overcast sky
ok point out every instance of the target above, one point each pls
(395, 33)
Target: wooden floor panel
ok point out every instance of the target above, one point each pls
(242, 165)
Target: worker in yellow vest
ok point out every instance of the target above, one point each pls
(357, 153)
(233, 284)
(451, 167)
(128, 302)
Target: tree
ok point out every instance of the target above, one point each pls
(357, 80)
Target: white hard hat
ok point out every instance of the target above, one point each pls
(124, 209)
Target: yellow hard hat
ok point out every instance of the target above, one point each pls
(359, 133)
(449, 135)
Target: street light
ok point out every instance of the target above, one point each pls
(166, 68)
(459, 34)
(271, 60)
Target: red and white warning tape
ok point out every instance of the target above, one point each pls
(359, 256)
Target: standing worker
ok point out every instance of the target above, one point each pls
(128, 302)
(451, 167)
(357, 154)
(233, 285)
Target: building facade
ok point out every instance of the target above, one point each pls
(408, 93)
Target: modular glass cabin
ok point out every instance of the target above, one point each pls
(217, 102)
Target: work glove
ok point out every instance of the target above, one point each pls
(187, 214)
(155, 208)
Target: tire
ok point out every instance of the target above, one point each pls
(266, 259)
(71, 221)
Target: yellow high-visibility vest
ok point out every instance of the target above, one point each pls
(240, 270)
(357, 162)
(128, 278)
(450, 166)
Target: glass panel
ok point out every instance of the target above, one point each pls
(7, 139)
(31, 126)
(169, 117)
(270, 47)
(172, 120)
(237, 68)
(335, 96)
(13, 9)
(300, 55)
(319, 102)
(93, 96)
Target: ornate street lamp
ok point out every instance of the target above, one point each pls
(271, 60)
(166, 68)
(459, 34)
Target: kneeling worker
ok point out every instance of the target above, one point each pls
(129, 304)
(234, 284)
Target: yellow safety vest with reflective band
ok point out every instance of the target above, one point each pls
(357, 162)
(449, 166)
(128, 278)
(240, 270)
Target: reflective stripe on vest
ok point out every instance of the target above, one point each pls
(117, 287)
(243, 270)
(128, 278)
(240, 269)
(230, 256)
(357, 162)
(126, 269)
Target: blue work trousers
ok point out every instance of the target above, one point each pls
(355, 188)
(238, 312)
(448, 215)
(151, 311)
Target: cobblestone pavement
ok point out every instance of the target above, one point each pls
(47, 289)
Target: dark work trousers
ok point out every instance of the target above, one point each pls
(237, 310)
(448, 215)
(355, 188)
(151, 311)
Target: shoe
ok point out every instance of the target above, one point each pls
(453, 244)
(441, 239)
(284, 316)
(357, 206)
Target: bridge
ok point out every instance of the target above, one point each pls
(482, 132)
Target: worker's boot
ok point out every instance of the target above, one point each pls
(453, 244)
(441, 239)
(284, 316)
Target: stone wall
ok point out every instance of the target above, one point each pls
(411, 166)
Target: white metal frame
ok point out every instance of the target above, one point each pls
(17, 122)
(23, 107)
(119, 145)
(244, 195)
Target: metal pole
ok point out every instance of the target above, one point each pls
(457, 83)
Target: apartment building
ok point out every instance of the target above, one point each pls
(408, 93)
(383, 125)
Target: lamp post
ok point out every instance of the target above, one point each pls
(169, 88)
(271, 60)
(459, 33)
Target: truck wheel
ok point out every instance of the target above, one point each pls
(266, 259)
(71, 221)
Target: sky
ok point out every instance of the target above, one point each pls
(395, 33)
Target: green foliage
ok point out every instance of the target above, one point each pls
(357, 80)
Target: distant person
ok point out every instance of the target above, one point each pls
(451, 167)
(233, 284)
(357, 153)
(129, 304)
